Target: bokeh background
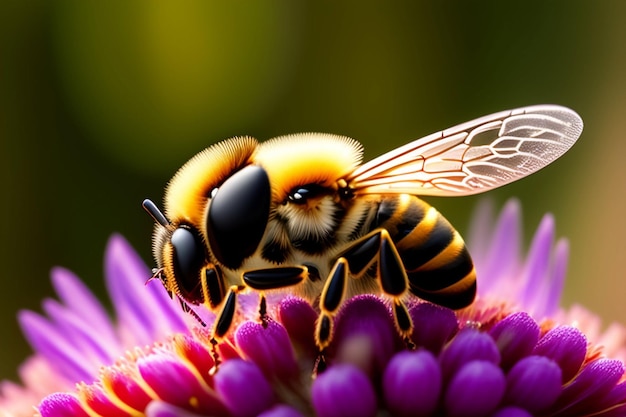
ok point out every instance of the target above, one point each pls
(101, 102)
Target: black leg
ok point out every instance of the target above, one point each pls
(271, 279)
(187, 309)
(223, 321)
(375, 247)
(274, 278)
(259, 280)
(330, 300)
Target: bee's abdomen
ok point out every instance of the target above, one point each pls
(434, 255)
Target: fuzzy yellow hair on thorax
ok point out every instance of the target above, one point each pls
(307, 158)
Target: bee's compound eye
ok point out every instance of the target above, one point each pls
(301, 194)
(188, 259)
(238, 215)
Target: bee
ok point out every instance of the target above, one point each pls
(301, 213)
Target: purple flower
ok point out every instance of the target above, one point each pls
(533, 283)
(513, 353)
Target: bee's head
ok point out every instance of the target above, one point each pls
(216, 211)
(305, 172)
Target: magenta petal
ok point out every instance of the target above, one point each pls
(468, 345)
(594, 382)
(163, 409)
(502, 259)
(102, 403)
(617, 396)
(480, 230)
(516, 336)
(433, 325)
(120, 382)
(412, 384)
(143, 309)
(197, 355)
(243, 388)
(557, 281)
(565, 345)
(61, 405)
(76, 296)
(475, 390)
(51, 343)
(343, 390)
(281, 410)
(83, 335)
(534, 383)
(538, 261)
(174, 383)
(511, 412)
(269, 347)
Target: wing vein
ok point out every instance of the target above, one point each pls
(475, 156)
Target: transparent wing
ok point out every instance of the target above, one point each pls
(475, 156)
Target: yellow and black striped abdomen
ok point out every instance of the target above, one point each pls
(434, 255)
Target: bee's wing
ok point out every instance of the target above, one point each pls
(475, 156)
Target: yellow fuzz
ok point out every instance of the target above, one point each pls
(307, 158)
(187, 193)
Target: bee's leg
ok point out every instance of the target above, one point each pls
(225, 317)
(332, 295)
(274, 278)
(271, 279)
(394, 282)
(187, 309)
(157, 273)
(223, 322)
(263, 310)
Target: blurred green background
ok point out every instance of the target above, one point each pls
(100, 103)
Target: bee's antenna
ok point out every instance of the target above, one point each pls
(155, 213)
